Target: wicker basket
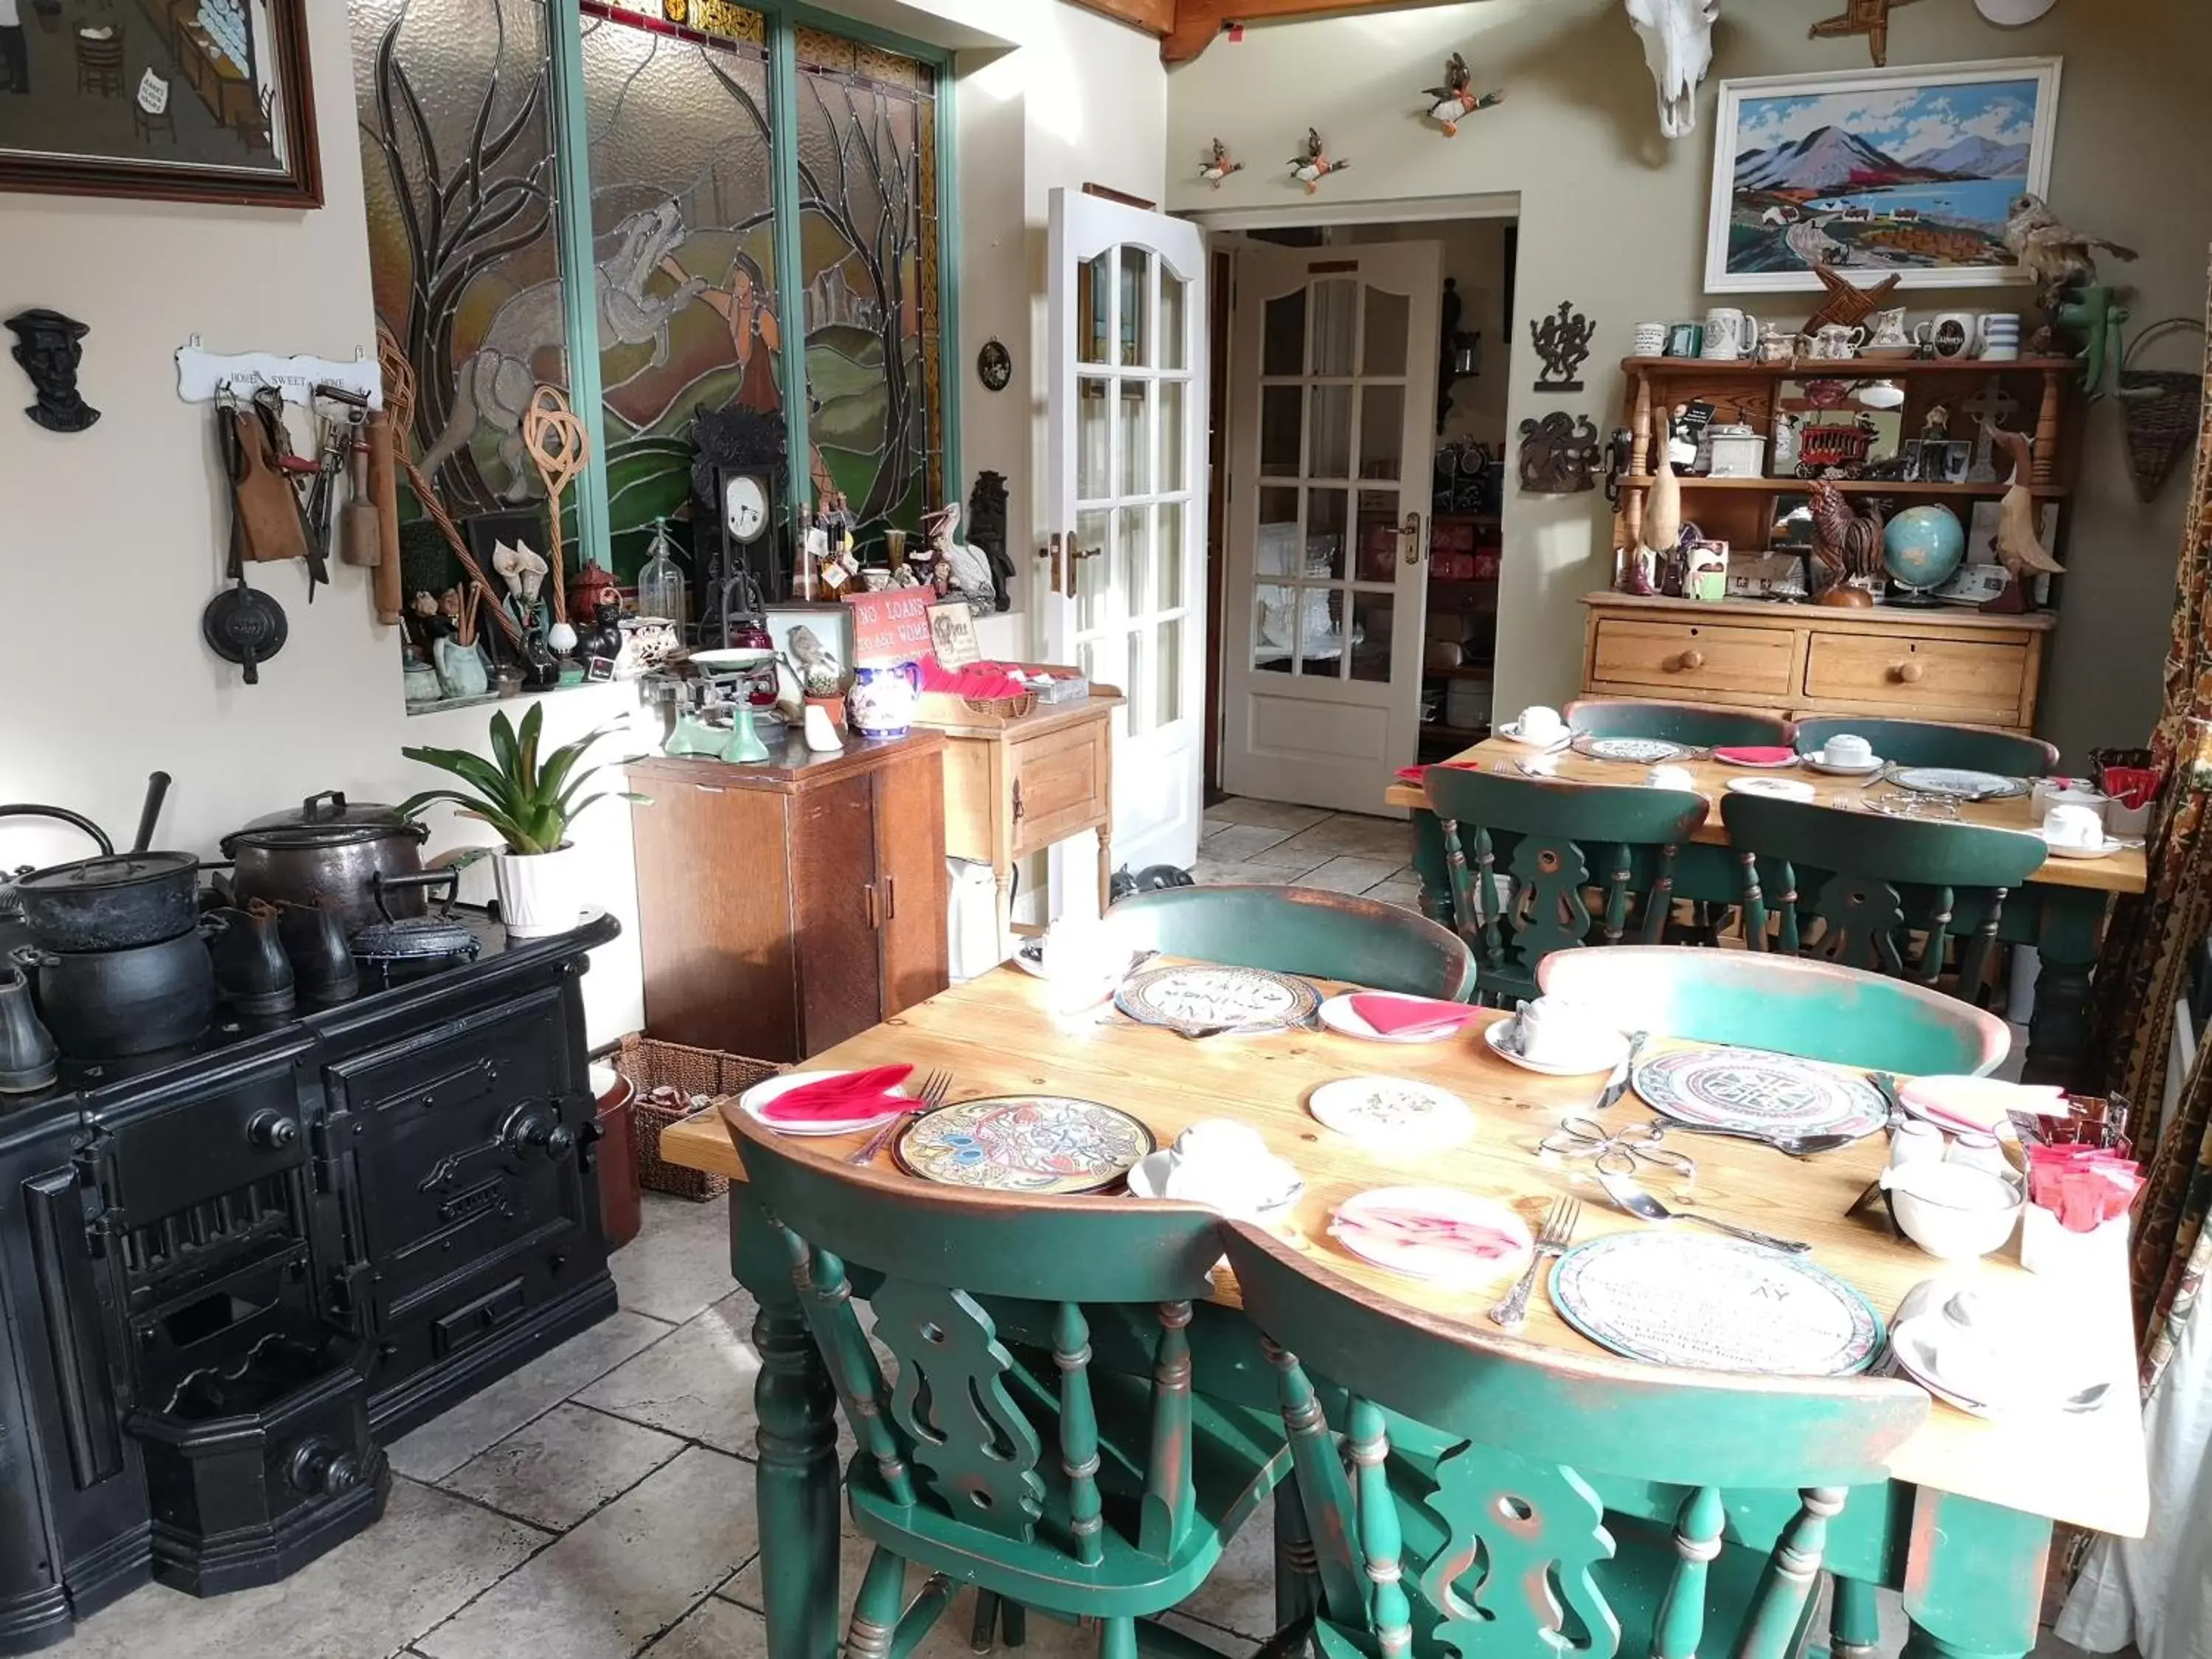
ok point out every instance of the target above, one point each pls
(2161, 410)
(651, 1064)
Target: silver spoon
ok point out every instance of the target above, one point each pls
(1795, 1145)
(1638, 1202)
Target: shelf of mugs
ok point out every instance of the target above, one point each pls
(1848, 368)
(1847, 486)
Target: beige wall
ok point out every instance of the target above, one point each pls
(1475, 256)
(1614, 217)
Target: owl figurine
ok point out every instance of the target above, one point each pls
(1213, 169)
(1314, 165)
(1452, 103)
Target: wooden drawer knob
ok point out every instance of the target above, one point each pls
(1907, 671)
(1690, 661)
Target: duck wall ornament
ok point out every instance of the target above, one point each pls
(1452, 103)
(1216, 166)
(1314, 165)
(1678, 45)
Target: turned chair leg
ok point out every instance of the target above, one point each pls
(984, 1631)
(876, 1609)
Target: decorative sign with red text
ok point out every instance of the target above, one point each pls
(892, 626)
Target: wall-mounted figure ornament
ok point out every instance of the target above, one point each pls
(1215, 165)
(1678, 46)
(48, 346)
(1562, 340)
(1452, 102)
(1867, 17)
(986, 529)
(994, 365)
(1559, 454)
(1311, 169)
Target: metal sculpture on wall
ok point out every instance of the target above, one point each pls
(1562, 340)
(50, 346)
(1559, 454)
(986, 529)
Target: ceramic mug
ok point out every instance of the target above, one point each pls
(1685, 339)
(1540, 724)
(1997, 334)
(1648, 340)
(1838, 340)
(883, 700)
(1847, 748)
(1729, 334)
(1551, 1031)
(2073, 826)
(1951, 334)
(1670, 777)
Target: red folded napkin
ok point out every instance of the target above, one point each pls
(1414, 774)
(1755, 755)
(1409, 1016)
(855, 1095)
(987, 681)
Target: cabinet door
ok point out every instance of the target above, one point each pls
(910, 879)
(836, 903)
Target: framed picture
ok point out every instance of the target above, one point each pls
(816, 644)
(952, 634)
(1904, 172)
(188, 101)
(1833, 430)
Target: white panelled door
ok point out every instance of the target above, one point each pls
(1332, 398)
(1126, 564)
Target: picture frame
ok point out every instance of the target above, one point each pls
(831, 624)
(1976, 136)
(952, 634)
(219, 93)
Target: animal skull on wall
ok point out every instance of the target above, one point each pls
(1678, 45)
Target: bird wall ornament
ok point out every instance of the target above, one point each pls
(1314, 165)
(2051, 254)
(1215, 166)
(1452, 102)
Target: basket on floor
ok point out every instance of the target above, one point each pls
(703, 1077)
(2161, 410)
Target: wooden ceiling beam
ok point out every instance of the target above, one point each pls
(1153, 17)
(1187, 28)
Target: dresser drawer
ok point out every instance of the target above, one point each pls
(1059, 783)
(1686, 658)
(1940, 676)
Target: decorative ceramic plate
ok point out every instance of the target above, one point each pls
(1773, 788)
(1394, 1113)
(1957, 782)
(1340, 1016)
(1604, 1053)
(1646, 752)
(1672, 1298)
(1025, 1144)
(1367, 1225)
(896, 1101)
(1204, 998)
(1762, 1093)
(1875, 763)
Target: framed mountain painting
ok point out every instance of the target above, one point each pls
(1910, 173)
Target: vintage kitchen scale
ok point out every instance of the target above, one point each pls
(716, 694)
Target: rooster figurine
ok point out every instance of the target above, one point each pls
(1846, 545)
(1214, 167)
(1314, 165)
(1452, 103)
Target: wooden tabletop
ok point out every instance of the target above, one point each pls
(998, 1034)
(2116, 873)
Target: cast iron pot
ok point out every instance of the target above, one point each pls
(111, 903)
(106, 1004)
(344, 857)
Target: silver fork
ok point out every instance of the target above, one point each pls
(934, 1088)
(1558, 1232)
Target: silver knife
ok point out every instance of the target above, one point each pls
(1617, 1084)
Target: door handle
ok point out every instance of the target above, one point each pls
(875, 909)
(1017, 800)
(1409, 535)
(1051, 551)
(890, 898)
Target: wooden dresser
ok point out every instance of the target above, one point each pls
(784, 907)
(1800, 660)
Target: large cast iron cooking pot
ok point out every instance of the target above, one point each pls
(347, 858)
(112, 902)
(103, 1004)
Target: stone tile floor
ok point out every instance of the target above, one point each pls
(1268, 842)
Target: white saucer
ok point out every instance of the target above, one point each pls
(1829, 767)
(1511, 732)
(2067, 850)
(1773, 788)
(1340, 1016)
(1394, 1113)
(1604, 1055)
(1148, 1178)
(761, 1093)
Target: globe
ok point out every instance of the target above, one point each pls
(1921, 546)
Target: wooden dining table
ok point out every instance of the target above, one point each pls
(1962, 1527)
(2061, 912)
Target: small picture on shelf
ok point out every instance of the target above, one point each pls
(1833, 431)
(1792, 529)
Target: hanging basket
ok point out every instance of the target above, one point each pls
(2160, 408)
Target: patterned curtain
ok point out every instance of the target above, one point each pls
(2149, 947)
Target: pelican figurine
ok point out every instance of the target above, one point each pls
(1452, 103)
(1215, 167)
(1314, 165)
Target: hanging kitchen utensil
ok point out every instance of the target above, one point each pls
(361, 540)
(558, 447)
(239, 624)
(266, 508)
(245, 627)
(384, 496)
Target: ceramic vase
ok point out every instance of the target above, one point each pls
(883, 700)
(461, 668)
(540, 894)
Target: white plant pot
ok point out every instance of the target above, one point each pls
(540, 893)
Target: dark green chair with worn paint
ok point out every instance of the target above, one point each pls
(1699, 724)
(1507, 1500)
(1580, 863)
(1932, 743)
(1300, 930)
(997, 1454)
(1868, 890)
(1791, 1005)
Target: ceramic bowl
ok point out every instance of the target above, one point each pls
(1952, 1210)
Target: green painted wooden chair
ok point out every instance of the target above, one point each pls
(998, 1455)
(1301, 930)
(1792, 1005)
(1931, 743)
(1856, 887)
(1697, 723)
(1512, 1489)
(1585, 864)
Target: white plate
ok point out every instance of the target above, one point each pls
(1773, 788)
(1396, 1114)
(1429, 1262)
(761, 1093)
(1149, 1178)
(1340, 1016)
(1999, 1100)
(1958, 782)
(1834, 770)
(1511, 732)
(1605, 1053)
(2067, 850)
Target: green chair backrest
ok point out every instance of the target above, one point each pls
(1678, 722)
(1931, 743)
(1300, 930)
(1791, 1005)
(1869, 882)
(1558, 844)
(1536, 1425)
(947, 1433)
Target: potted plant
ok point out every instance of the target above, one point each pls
(531, 803)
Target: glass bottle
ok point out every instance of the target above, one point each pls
(660, 580)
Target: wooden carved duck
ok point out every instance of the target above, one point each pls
(1452, 103)
(1314, 165)
(1216, 166)
(2020, 545)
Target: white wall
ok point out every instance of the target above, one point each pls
(1614, 217)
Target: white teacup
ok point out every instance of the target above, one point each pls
(2073, 826)
(1648, 340)
(1670, 777)
(1552, 1032)
(1538, 724)
(1080, 962)
(1847, 748)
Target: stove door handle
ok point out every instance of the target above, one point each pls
(533, 1126)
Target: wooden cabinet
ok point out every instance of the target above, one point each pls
(1798, 659)
(784, 907)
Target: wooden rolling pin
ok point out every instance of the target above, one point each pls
(384, 496)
